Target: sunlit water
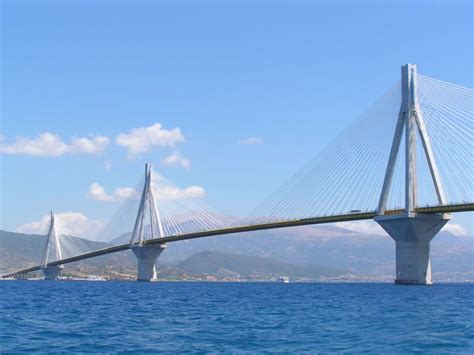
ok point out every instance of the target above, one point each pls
(65, 316)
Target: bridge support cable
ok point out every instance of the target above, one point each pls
(447, 110)
(345, 176)
(183, 210)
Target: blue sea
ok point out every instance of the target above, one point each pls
(75, 316)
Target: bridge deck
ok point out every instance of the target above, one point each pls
(250, 228)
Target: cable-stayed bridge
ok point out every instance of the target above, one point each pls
(407, 163)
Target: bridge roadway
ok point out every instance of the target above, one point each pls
(357, 216)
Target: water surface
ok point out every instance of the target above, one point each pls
(234, 317)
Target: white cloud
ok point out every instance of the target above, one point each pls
(176, 159)
(163, 190)
(46, 144)
(49, 144)
(166, 190)
(92, 145)
(123, 193)
(157, 178)
(174, 193)
(141, 140)
(66, 223)
(251, 141)
(363, 227)
(455, 229)
(97, 192)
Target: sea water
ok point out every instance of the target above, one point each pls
(75, 316)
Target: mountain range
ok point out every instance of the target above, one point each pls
(452, 256)
(369, 256)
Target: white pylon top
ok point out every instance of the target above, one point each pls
(147, 208)
(410, 118)
(52, 241)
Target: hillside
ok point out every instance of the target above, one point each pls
(224, 265)
(334, 247)
(452, 256)
(18, 251)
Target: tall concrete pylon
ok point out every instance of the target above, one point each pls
(147, 254)
(52, 245)
(411, 231)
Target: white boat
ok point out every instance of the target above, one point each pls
(283, 279)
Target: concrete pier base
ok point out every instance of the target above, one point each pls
(52, 272)
(412, 234)
(146, 258)
(413, 265)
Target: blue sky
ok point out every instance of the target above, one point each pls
(289, 75)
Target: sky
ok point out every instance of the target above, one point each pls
(225, 98)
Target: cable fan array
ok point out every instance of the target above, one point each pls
(169, 211)
(60, 244)
(182, 211)
(448, 112)
(172, 211)
(347, 175)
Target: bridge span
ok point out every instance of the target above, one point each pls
(466, 207)
(431, 151)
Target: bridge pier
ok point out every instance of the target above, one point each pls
(412, 233)
(146, 258)
(52, 272)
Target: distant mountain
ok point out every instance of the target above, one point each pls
(361, 253)
(329, 245)
(122, 239)
(222, 265)
(19, 250)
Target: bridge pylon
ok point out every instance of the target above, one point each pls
(148, 223)
(52, 246)
(411, 231)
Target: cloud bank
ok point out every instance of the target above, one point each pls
(66, 223)
(49, 144)
(97, 192)
(176, 159)
(143, 139)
